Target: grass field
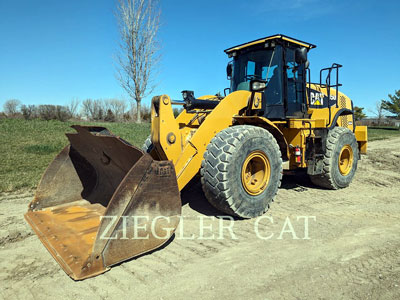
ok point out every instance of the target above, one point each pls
(382, 133)
(28, 147)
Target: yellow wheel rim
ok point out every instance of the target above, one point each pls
(345, 160)
(256, 171)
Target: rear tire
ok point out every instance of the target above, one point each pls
(242, 171)
(340, 160)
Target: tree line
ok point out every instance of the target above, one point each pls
(108, 110)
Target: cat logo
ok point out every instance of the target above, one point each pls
(317, 98)
(257, 102)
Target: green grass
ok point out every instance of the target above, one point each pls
(28, 147)
(382, 133)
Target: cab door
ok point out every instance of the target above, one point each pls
(295, 88)
(273, 96)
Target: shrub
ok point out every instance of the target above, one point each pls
(62, 113)
(29, 112)
(145, 113)
(47, 112)
(109, 116)
(127, 117)
(53, 112)
(117, 107)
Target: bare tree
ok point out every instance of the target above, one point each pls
(73, 107)
(86, 106)
(378, 111)
(10, 107)
(138, 22)
(93, 109)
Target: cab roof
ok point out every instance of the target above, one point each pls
(270, 38)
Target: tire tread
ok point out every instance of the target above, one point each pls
(214, 167)
(325, 179)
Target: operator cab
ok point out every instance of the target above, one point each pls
(282, 63)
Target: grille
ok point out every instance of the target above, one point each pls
(342, 102)
(344, 121)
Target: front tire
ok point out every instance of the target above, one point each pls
(242, 171)
(340, 160)
(147, 145)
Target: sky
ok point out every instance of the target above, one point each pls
(54, 51)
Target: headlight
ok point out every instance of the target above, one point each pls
(258, 86)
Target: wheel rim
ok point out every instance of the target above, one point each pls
(345, 160)
(256, 171)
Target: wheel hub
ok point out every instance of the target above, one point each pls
(345, 161)
(256, 171)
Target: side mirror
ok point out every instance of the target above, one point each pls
(257, 85)
(307, 64)
(229, 69)
(300, 55)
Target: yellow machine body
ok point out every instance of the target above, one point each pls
(193, 131)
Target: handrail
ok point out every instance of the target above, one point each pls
(328, 85)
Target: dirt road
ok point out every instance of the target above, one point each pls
(352, 250)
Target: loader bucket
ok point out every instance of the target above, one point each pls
(102, 201)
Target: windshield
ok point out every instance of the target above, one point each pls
(258, 64)
(265, 64)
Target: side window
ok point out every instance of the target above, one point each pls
(264, 72)
(295, 84)
(267, 75)
(250, 69)
(291, 76)
(249, 72)
(273, 92)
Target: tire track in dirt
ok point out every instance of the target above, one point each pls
(352, 278)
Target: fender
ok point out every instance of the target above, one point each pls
(271, 127)
(341, 112)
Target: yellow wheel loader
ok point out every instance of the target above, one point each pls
(102, 201)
